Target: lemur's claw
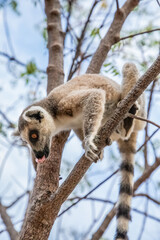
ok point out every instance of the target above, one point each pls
(91, 151)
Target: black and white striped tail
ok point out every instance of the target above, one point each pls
(127, 150)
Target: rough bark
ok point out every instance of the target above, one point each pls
(38, 221)
(55, 44)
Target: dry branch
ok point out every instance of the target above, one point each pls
(112, 36)
(38, 222)
(143, 119)
(8, 223)
(55, 44)
(13, 59)
(147, 196)
(140, 33)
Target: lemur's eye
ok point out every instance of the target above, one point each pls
(33, 136)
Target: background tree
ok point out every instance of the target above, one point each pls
(74, 30)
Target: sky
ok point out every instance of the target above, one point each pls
(16, 171)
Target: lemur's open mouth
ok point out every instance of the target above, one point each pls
(41, 156)
(40, 160)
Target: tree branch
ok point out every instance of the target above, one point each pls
(112, 36)
(147, 196)
(147, 140)
(86, 195)
(146, 174)
(13, 59)
(117, 3)
(55, 44)
(142, 119)
(80, 40)
(38, 221)
(137, 34)
(8, 223)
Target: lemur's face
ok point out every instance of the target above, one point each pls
(36, 127)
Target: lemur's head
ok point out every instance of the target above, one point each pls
(35, 127)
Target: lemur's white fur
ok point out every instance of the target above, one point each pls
(41, 109)
(84, 104)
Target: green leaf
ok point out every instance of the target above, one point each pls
(14, 6)
(45, 34)
(2, 130)
(107, 64)
(27, 80)
(109, 67)
(95, 32)
(31, 68)
(23, 74)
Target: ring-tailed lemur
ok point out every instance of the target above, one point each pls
(84, 104)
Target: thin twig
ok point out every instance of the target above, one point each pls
(145, 217)
(117, 3)
(114, 203)
(158, 3)
(6, 27)
(8, 223)
(137, 34)
(11, 125)
(85, 196)
(147, 140)
(17, 199)
(147, 196)
(146, 128)
(80, 40)
(11, 58)
(142, 119)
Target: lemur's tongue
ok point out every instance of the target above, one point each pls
(40, 160)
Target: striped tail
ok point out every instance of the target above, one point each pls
(127, 149)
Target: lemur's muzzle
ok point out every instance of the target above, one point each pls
(41, 155)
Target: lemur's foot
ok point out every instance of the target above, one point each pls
(135, 108)
(91, 151)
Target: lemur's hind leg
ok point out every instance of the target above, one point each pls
(93, 111)
(129, 122)
(126, 127)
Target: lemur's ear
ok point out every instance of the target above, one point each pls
(16, 133)
(35, 114)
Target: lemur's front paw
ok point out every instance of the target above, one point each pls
(91, 151)
(134, 109)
